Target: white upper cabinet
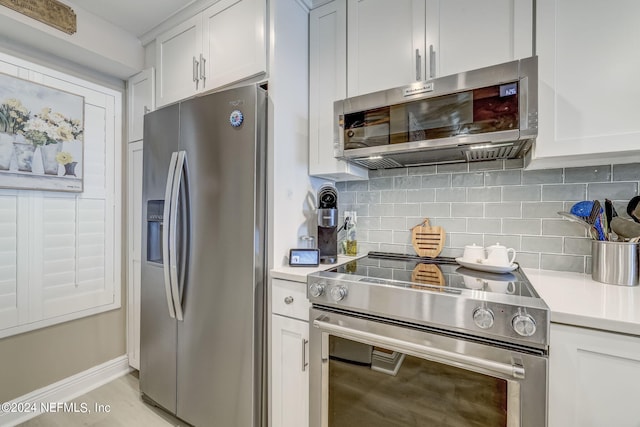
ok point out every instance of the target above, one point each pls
(464, 35)
(588, 91)
(363, 46)
(396, 43)
(386, 44)
(234, 41)
(177, 54)
(140, 101)
(222, 45)
(327, 84)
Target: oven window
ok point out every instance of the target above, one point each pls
(375, 387)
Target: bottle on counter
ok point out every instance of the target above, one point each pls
(350, 230)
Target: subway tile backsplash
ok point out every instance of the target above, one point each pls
(486, 203)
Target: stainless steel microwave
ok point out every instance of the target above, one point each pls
(484, 114)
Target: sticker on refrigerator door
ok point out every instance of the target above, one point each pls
(236, 118)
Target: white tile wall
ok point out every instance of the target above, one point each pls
(486, 203)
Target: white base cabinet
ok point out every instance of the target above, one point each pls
(588, 91)
(594, 378)
(290, 387)
(289, 358)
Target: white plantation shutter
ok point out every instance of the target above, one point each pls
(8, 261)
(74, 256)
(60, 252)
(95, 154)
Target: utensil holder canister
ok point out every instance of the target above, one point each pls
(615, 263)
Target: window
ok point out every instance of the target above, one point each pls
(60, 252)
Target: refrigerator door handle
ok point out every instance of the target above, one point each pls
(165, 234)
(173, 227)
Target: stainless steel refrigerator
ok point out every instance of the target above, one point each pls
(202, 317)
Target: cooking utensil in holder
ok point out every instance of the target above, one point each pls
(615, 263)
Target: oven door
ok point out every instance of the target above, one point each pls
(366, 372)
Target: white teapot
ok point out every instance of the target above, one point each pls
(498, 255)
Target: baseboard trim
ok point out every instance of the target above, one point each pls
(65, 390)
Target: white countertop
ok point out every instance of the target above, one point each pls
(574, 299)
(299, 274)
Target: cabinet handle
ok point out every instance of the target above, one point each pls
(418, 66)
(203, 70)
(288, 300)
(146, 109)
(304, 354)
(195, 72)
(432, 62)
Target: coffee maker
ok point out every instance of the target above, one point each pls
(328, 224)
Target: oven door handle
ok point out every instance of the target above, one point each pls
(432, 353)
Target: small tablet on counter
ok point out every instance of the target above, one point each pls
(304, 257)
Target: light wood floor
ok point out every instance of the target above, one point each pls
(126, 409)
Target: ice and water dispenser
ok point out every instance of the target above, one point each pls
(155, 228)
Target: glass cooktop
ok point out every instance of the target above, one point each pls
(442, 274)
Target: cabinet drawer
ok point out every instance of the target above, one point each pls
(289, 299)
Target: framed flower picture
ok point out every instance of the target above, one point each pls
(41, 137)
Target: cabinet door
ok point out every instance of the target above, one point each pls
(588, 91)
(594, 378)
(468, 34)
(177, 58)
(328, 83)
(234, 41)
(386, 44)
(141, 100)
(134, 249)
(289, 372)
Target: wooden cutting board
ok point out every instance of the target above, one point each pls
(427, 241)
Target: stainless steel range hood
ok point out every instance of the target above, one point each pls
(485, 114)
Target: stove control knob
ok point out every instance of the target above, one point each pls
(316, 289)
(483, 317)
(338, 293)
(524, 325)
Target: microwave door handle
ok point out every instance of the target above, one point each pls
(435, 354)
(173, 234)
(166, 219)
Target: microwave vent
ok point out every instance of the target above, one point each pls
(377, 163)
(492, 153)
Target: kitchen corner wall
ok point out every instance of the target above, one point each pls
(485, 203)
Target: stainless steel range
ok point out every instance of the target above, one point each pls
(406, 341)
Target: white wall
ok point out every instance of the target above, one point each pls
(97, 44)
(292, 191)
